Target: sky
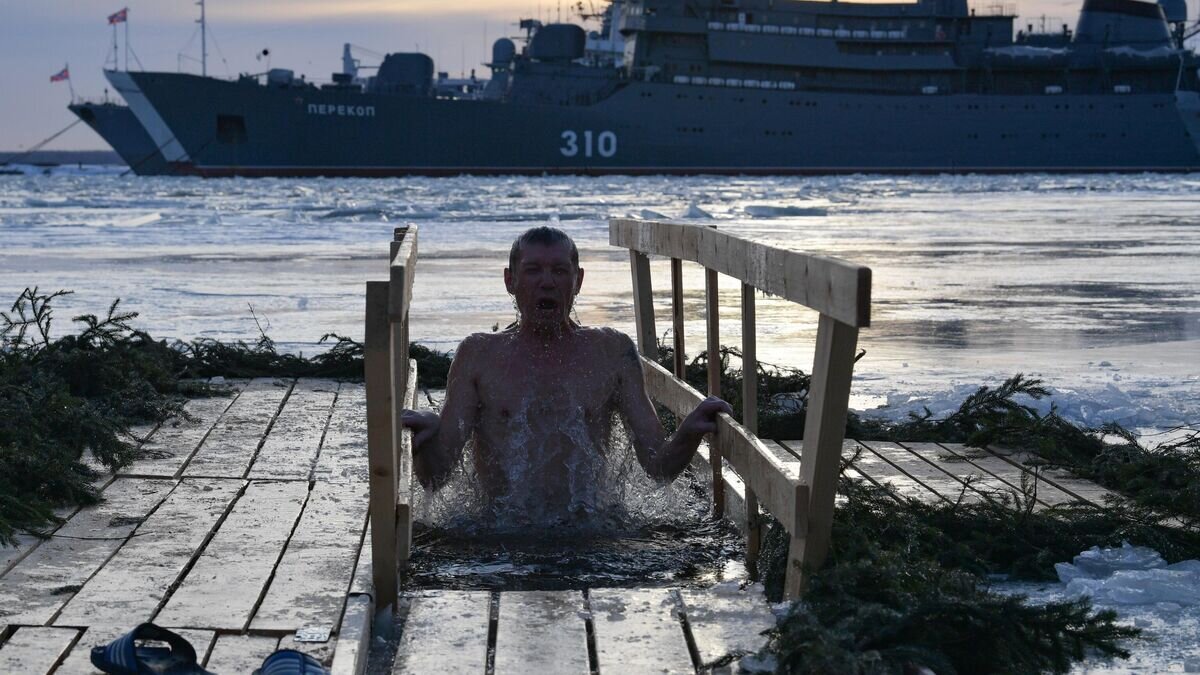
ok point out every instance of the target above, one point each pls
(39, 37)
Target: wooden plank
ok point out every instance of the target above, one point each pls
(240, 653)
(946, 486)
(750, 420)
(23, 545)
(541, 632)
(824, 428)
(78, 662)
(833, 287)
(986, 483)
(382, 460)
(354, 638)
(726, 621)
(231, 445)
(1083, 490)
(1005, 476)
(343, 455)
(643, 305)
(363, 582)
(402, 268)
(172, 445)
(311, 581)
(787, 455)
(793, 449)
(871, 467)
(712, 315)
(735, 489)
(638, 631)
(35, 589)
(131, 587)
(33, 650)
(778, 491)
(444, 632)
(404, 470)
(227, 580)
(679, 355)
(290, 450)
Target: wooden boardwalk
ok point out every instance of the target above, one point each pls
(247, 526)
(238, 530)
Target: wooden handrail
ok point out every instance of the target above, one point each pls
(839, 291)
(831, 286)
(779, 492)
(391, 380)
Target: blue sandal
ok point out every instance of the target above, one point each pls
(291, 662)
(124, 657)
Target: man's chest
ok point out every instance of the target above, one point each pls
(508, 391)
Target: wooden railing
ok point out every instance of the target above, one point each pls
(840, 291)
(391, 380)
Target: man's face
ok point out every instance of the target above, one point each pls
(544, 283)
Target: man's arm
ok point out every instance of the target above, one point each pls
(662, 458)
(438, 440)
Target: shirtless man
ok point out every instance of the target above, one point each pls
(539, 397)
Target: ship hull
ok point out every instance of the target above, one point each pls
(119, 127)
(219, 128)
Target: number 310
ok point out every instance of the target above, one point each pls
(604, 143)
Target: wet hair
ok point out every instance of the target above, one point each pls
(545, 236)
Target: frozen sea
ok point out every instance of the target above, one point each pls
(1090, 282)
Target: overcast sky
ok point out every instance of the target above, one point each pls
(40, 36)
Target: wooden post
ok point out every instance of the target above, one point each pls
(381, 457)
(750, 421)
(677, 316)
(824, 427)
(713, 316)
(643, 305)
(401, 271)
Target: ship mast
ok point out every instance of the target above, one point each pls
(203, 41)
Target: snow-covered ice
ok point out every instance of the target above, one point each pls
(1163, 600)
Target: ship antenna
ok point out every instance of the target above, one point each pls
(203, 41)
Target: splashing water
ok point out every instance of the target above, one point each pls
(586, 518)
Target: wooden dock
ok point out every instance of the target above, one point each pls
(245, 529)
(239, 530)
(247, 526)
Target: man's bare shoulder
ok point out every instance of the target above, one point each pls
(608, 337)
(476, 345)
(614, 345)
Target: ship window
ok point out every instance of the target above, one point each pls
(231, 129)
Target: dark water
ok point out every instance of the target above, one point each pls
(693, 551)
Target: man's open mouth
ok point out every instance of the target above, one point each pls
(547, 303)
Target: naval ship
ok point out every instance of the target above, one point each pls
(118, 126)
(723, 87)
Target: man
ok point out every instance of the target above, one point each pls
(539, 398)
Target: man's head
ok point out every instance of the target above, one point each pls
(544, 275)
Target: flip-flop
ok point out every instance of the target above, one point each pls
(291, 662)
(124, 657)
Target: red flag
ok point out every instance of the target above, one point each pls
(61, 75)
(120, 17)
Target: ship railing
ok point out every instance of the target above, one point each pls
(800, 495)
(391, 380)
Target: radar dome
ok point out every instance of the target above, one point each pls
(503, 51)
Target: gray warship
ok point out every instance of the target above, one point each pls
(721, 87)
(118, 126)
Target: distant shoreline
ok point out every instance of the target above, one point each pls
(58, 157)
